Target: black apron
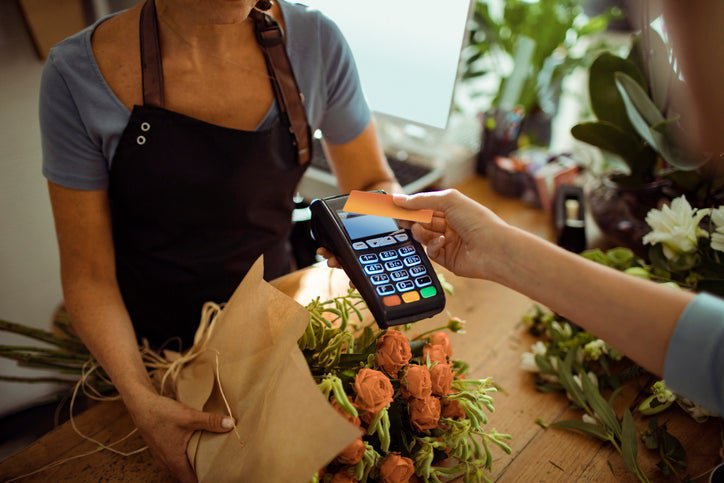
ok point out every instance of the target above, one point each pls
(194, 204)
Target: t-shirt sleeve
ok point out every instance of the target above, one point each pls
(71, 158)
(694, 364)
(346, 112)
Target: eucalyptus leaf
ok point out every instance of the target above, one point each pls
(629, 444)
(565, 376)
(594, 430)
(600, 406)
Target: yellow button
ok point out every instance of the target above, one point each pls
(411, 296)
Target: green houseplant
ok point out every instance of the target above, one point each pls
(634, 100)
(555, 27)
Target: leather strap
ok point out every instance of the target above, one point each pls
(270, 37)
(151, 68)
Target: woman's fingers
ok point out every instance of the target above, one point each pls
(436, 246)
(436, 200)
(422, 234)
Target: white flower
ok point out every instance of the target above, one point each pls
(539, 348)
(591, 376)
(717, 217)
(527, 362)
(594, 349)
(662, 393)
(563, 329)
(676, 227)
(588, 419)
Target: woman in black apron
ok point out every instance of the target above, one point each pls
(190, 206)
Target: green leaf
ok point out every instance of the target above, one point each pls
(594, 430)
(606, 101)
(599, 405)
(565, 376)
(664, 135)
(607, 136)
(629, 443)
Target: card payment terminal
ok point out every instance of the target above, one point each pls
(388, 267)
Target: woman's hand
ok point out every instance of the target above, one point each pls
(464, 236)
(167, 425)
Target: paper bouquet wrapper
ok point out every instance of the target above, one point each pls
(285, 429)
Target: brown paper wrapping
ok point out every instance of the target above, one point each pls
(285, 429)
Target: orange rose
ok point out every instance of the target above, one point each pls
(442, 378)
(352, 454)
(416, 382)
(393, 352)
(374, 390)
(441, 339)
(396, 469)
(344, 413)
(452, 409)
(425, 413)
(343, 477)
(435, 352)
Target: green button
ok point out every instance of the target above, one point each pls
(428, 292)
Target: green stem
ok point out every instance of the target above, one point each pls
(427, 332)
(37, 379)
(42, 335)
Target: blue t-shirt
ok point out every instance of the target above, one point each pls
(81, 119)
(694, 364)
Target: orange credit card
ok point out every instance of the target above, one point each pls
(379, 204)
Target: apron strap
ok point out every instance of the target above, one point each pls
(270, 37)
(151, 68)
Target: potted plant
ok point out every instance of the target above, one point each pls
(555, 27)
(637, 121)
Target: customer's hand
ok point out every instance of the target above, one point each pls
(464, 236)
(167, 425)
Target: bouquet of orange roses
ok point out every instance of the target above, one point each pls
(419, 417)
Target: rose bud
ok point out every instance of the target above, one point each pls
(442, 378)
(452, 409)
(425, 413)
(393, 352)
(345, 414)
(441, 339)
(374, 390)
(396, 469)
(343, 477)
(433, 352)
(416, 382)
(352, 454)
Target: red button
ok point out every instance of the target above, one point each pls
(392, 300)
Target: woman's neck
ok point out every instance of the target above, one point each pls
(206, 25)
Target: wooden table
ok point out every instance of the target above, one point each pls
(492, 345)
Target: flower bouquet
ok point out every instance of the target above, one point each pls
(418, 415)
(314, 393)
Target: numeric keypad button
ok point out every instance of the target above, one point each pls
(374, 268)
(412, 261)
(388, 255)
(405, 286)
(399, 275)
(393, 265)
(418, 270)
(379, 279)
(368, 258)
(406, 251)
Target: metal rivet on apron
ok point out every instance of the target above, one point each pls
(141, 140)
(145, 126)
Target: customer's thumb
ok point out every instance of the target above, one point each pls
(216, 423)
(436, 200)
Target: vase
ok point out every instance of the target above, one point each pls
(620, 211)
